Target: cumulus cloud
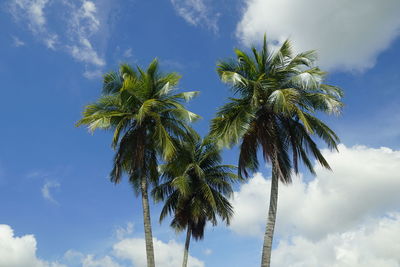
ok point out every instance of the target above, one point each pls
(373, 244)
(166, 254)
(331, 213)
(348, 35)
(76, 258)
(196, 12)
(46, 190)
(20, 251)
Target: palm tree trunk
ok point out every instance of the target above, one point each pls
(147, 224)
(187, 242)
(269, 231)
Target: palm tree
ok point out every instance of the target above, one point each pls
(147, 120)
(278, 94)
(196, 189)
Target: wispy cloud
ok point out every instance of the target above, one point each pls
(128, 53)
(51, 41)
(123, 232)
(93, 74)
(196, 13)
(84, 52)
(83, 24)
(17, 42)
(207, 251)
(46, 190)
(76, 36)
(32, 11)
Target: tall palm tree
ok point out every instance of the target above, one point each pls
(196, 189)
(147, 120)
(277, 97)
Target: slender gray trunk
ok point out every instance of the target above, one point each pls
(147, 224)
(269, 231)
(186, 251)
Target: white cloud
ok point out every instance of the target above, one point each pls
(207, 251)
(348, 35)
(123, 232)
(166, 254)
(51, 41)
(196, 12)
(93, 74)
(83, 25)
(331, 213)
(374, 244)
(76, 258)
(46, 190)
(107, 261)
(74, 36)
(128, 53)
(17, 42)
(20, 251)
(84, 52)
(32, 11)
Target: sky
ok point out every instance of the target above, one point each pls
(57, 205)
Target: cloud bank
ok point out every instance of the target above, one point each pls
(348, 35)
(21, 252)
(339, 217)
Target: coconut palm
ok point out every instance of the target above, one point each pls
(277, 97)
(147, 120)
(196, 189)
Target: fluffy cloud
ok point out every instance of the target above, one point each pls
(20, 251)
(167, 254)
(348, 35)
(196, 12)
(331, 213)
(374, 244)
(76, 258)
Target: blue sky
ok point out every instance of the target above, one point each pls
(58, 207)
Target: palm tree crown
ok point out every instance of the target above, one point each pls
(278, 96)
(139, 106)
(196, 187)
